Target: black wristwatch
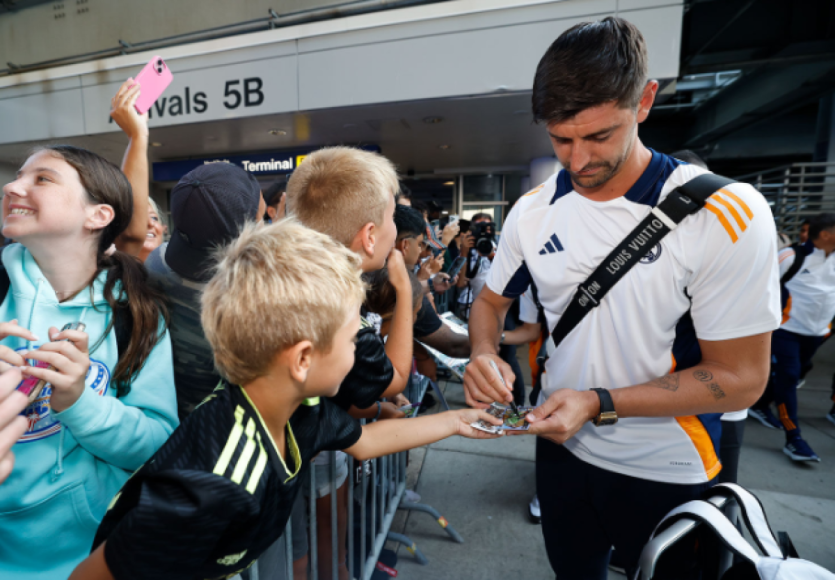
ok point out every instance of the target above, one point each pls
(607, 415)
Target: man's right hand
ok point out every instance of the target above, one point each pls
(124, 113)
(481, 384)
(398, 274)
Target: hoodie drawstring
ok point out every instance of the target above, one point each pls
(59, 460)
(32, 310)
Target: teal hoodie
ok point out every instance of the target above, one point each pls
(69, 465)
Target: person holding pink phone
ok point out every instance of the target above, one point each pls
(145, 232)
(109, 402)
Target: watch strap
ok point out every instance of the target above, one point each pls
(607, 415)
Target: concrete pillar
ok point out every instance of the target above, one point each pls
(542, 168)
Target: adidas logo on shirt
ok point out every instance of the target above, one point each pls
(551, 247)
(805, 271)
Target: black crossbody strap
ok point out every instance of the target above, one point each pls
(799, 258)
(683, 201)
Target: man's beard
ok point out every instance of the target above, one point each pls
(608, 171)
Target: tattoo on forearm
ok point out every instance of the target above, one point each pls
(716, 391)
(667, 382)
(706, 376)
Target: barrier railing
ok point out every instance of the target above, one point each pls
(796, 192)
(376, 490)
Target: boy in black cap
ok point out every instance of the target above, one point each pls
(209, 206)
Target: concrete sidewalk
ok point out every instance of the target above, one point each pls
(483, 488)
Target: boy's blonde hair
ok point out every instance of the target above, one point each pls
(275, 286)
(337, 190)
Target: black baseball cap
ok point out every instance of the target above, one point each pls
(209, 206)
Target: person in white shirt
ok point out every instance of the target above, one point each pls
(681, 339)
(808, 309)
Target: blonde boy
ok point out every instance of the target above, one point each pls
(281, 314)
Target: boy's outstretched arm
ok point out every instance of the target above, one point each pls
(134, 164)
(387, 437)
(93, 567)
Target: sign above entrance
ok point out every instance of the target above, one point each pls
(273, 163)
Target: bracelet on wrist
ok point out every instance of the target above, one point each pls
(379, 410)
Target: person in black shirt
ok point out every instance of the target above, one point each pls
(220, 491)
(428, 327)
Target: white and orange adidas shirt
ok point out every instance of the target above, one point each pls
(713, 278)
(811, 303)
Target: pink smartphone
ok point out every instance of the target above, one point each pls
(153, 80)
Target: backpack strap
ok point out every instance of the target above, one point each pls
(683, 201)
(753, 515)
(705, 513)
(800, 254)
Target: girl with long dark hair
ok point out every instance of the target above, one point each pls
(110, 402)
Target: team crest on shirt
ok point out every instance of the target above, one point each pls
(42, 422)
(652, 255)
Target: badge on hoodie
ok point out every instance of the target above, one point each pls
(42, 423)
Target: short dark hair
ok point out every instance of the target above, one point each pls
(381, 297)
(689, 157)
(590, 64)
(409, 222)
(272, 195)
(819, 223)
(481, 216)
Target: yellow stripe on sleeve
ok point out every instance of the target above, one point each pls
(258, 470)
(723, 220)
(231, 443)
(246, 454)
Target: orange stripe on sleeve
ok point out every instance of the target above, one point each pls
(734, 213)
(741, 203)
(673, 368)
(701, 440)
(534, 190)
(723, 220)
(788, 254)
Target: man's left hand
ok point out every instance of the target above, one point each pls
(563, 414)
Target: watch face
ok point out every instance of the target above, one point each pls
(607, 418)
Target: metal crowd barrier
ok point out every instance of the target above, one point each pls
(372, 504)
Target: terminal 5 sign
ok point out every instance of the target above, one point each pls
(273, 163)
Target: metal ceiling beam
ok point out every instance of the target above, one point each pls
(759, 96)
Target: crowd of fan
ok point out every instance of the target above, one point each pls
(241, 307)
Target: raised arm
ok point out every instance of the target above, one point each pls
(399, 343)
(481, 385)
(134, 164)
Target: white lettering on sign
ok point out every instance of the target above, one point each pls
(199, 95)
(271, 165)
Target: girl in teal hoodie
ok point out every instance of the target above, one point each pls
(104, 412)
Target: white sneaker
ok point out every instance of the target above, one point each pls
(534, 513)
(411, 496)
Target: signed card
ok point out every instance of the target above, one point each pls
(511, 421)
